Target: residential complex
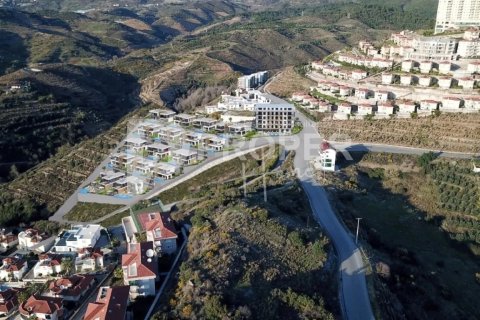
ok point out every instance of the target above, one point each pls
(253, 80)
(455, 14)
(274, 117)
(39, 307)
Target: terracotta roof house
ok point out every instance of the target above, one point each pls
(111, 304)
(72, 288)
(140, 269)
(157, 225)
(47, 264)
(7, 241)
(88, 259)
(13, 268)
(32, 239)
(42, 308)
(8, 302)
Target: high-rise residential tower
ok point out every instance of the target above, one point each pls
(454, 14)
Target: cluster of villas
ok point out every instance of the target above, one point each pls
(68, 289)
(382, 103)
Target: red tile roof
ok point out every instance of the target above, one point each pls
(111, 304)
(160, 223)
(71, 286)
(39, 304)
(10, 300)
(137, 258)
(13, 264)
(8, 238)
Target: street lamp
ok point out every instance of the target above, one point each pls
(358, 228)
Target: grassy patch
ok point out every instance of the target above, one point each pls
(115, 220)
(84, 212)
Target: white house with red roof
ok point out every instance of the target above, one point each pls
(7, 241)
(385, 108)
(381, 95)
(111, 304)
(474, 66)
(160, 230)
(32, 239)
(8, 302)
(140, 269)
(13, 268)
(48, 264)
(364, 109)
(466, 82)
(328, 156)
(88, 259)
(444, 82)
(362, 93)
(71, 288)
(406, 106)
(472, 103)
(41, 307)
(451, 103)
(405, 79)
(429, 105)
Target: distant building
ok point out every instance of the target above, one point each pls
(111, 304)
(164, 114)
(140, 269)
(274, 117)
(253, 80)
(455, 14)
(328, 156)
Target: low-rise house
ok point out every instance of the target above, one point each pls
(364, 109)
(310, 103)
(159, 229)
(40, 307)
(121, 160)
(213, 142)
(206, 124)
(334, 88)
(466, 82)
(426, 66)
(71, 288)
(451, 103)
(108, 178)
(158, 150)
(406, 106)
(358, 74)
(407, 65)
(405, 79)
(345, 108)
(324, 106)
(345, 91)
(171, 134)
(387, 78)
(381, 95)
(239, 129)
(78, 237)
(474, 67)
(111, 304)
(143, 165)
(162, 114)
(185, 157)
(328, 157)
(148, 130)
(193, 138)
(472, 102)
(12, 268)
(165, 170)
(385, 108)
(299, 96)
(48, 264)
(8, 302)
(444, 67)
(135, 185)
(317, 65)
(428, 105)
(7, 241)
(140, 269)
(362, 93)
(444, 82)
(424, 81)
(88, 259)
(184, 119)
(32, 238)
(135, 144)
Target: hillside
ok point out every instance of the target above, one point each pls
(452, 132)
(62, 105)
(420, 228)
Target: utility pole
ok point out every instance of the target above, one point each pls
(358, 228)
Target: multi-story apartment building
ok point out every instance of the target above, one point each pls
(454, 14)
(274, 117)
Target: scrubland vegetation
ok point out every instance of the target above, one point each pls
(419, 228)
